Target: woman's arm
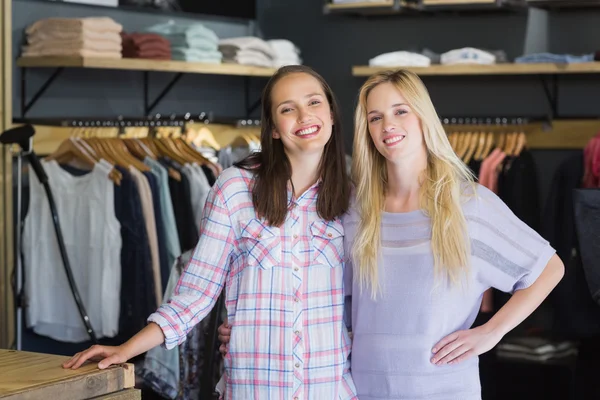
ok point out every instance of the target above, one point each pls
(146, 339)
(462, 345)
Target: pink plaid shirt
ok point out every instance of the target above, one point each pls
(284, 296)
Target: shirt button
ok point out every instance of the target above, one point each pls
(296, 398)
(259, 236)
(329, 234)
(295, 236)
(297, 333)
(296, 269)
(296, 299)
(297, 365)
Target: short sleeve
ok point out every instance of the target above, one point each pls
(507, 254)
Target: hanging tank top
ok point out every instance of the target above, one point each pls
(91, 231)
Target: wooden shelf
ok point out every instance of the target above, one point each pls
(563, 4)
(392, 7)
(135, 64)
(472, 5)
(496, 69)
(359, 5)
(387, 7)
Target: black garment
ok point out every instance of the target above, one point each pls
(488, 364)
(137, 285)
(587, 223)
(181, 196)
(165, 268)
(518, 188)
(475, 167)
(576, 315)
(210, 175)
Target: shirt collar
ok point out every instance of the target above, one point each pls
(306, 198)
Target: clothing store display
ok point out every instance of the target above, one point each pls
(199, 189)
(535, 349)
(285, 53)
(86, 208)
(164, 267)
(230, 155)
(587, 223)
(518, 188)
(177, 373)
(138, 298)
(400, 59)
(247, 50)
(191, 42)
(591, 162)
(506, 254)
(467, 55)
(196, 55)
(172, 244)
(148, 210)
(554, 58)
(85, 37)
(305, 253)
(435, 58)
(146, 45)
(181, 195)
(160, 370)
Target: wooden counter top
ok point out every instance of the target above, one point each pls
(28, 376)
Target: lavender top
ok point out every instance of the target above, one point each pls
(394, 335)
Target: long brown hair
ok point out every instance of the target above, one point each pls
(272, 168)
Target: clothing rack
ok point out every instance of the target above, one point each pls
(50, 132)
(542, 132)
(153, 121)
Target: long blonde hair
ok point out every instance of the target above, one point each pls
(440, 198)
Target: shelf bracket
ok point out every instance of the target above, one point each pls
(550, 86)
(148, 107)
(250, 107)
(26, 106)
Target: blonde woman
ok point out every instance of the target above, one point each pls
(425, 242)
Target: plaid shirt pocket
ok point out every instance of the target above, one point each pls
(327, 242)
(262, 244)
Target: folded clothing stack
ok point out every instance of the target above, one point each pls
(554, 58)
(83, 37)
(468, 55)
(189, 42)
(146, 45)
(247, 50)
(286, 53)
(400, 59)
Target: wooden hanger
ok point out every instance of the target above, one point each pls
(520, 144)
(242, 140)
(501, 140)
(167, 149)
(460, 137)
(85, 147)
(121, 149)
(480, 146)
(202, 137)
(473, 142)
(104, 152)
(68, 151)
(465, 145)
(452, 137)
(489, 143)
(512, 141)
(136, 149)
